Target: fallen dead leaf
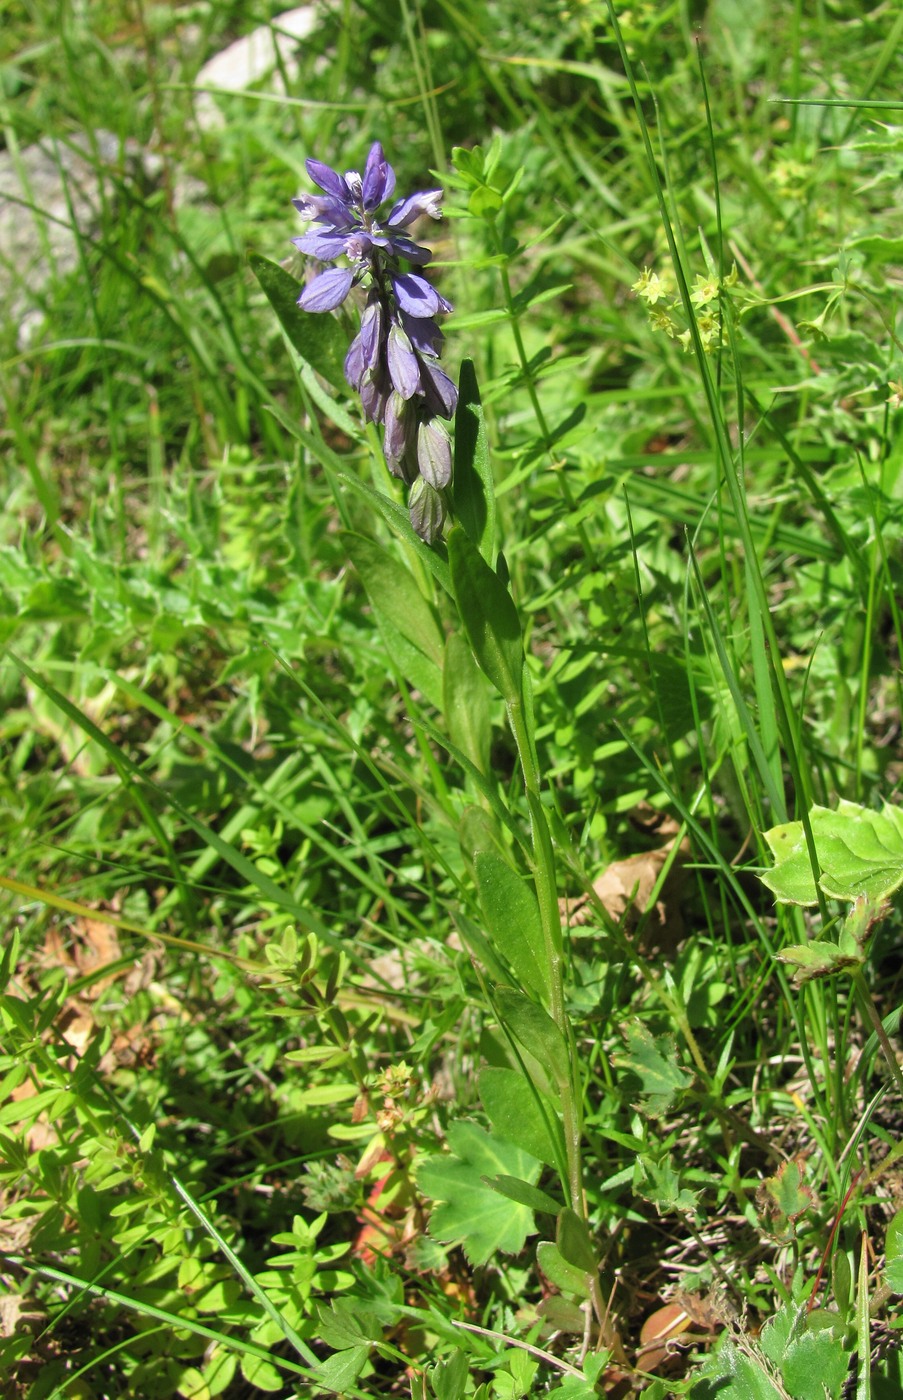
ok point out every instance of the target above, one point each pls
(625, 888)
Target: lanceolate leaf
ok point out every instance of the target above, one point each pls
(466, 702)
(516, 1112)
(893, 1253)
(526, 1195)
(536, 1031)
(489, 617)
(474, 493)
(318, 339)
(512, 921)
(392, 590)
(408, 625)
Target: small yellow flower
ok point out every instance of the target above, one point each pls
(649, 286)
(705, 290)
(661, 321)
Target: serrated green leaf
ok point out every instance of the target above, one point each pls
(342, 1369)
(653, 1063)
(815, 1366)
(468, 1212)
(318, 339)
(820, 958)
(860, 853)
(659, 1183)
(512, 921)
(488, 615)
(516, 1113)
(731, 1375)
(346, 1322)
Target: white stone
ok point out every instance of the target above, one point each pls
(251, 58)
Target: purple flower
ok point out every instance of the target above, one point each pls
(393, 361)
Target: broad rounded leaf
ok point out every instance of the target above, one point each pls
(860, 852)
(469, 1212)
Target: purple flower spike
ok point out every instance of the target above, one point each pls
(392, 362)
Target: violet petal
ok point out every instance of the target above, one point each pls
(441, 393)
(379, 178)
(407, 210)
(324, 246)
(329, 180)
(327, 291)
(414, 294)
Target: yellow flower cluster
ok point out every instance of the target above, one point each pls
(659, 291)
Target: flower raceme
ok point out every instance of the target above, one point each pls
(393, 361)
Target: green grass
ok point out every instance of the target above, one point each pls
(249, 816)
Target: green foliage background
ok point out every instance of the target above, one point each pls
(255, 798)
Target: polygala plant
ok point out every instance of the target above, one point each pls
(393, 364)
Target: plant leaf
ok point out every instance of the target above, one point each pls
(573, 1240)
(652, 1062)
(489, 617)
(820, 958)
(318, 339)
(468, 1212)
(516, 1113)
(407, 624)
(465, 702)
(535, 1030)
(474, 488)
(521, 1191)
(558, 1271)
(512, 921)
(860, 852)
(893, 1253)
(659, 1183)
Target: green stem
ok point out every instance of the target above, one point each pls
(546, 893)
(871, 1011)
